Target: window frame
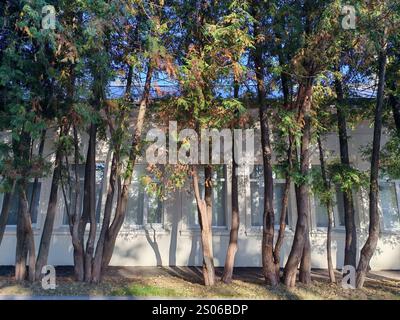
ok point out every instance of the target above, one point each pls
(383, 229)
(101, 201)
(336, 216)
(35, 225)
(188, 198)
(127, 227)
(257, 229)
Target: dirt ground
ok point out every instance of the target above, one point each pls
(187, 283)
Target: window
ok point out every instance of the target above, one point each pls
(142, 208)
(321, 213)
(99, 189)
(340, 207)
(218, 199)
(257, 197)
(389, 204)
(33, 201)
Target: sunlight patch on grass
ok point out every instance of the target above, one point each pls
(141, 290)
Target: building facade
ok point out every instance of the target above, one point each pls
(166, 232)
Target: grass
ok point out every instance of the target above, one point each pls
(161, 282)
(138, 290)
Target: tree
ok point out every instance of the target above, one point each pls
(318, 46)
(350, 250)
(379, 37)
(329, 207)
(235, 218)
(268, 214)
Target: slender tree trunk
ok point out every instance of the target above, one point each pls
(112, 231)
(206, 235)
(90, 198)
(115, 169)
(394, 100)
(300, 245)
(45, 240)
(268, 214)
(96, 274)
(35, 187)
(305, 264)
(284, 209)
(235, 220)
(330, 214)
(373, 236)
(20, 253)
(233, 236)
(30, 241)
(208, 195)
(25, 239)
(285, 79)
(74, 212)
(395, 103)
(350, 249)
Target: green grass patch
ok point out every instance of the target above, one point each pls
(141, 290)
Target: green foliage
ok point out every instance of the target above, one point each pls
(390, 160)
(347, 178)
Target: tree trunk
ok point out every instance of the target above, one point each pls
(74, 212)
(305, 264)
(25, 239)
(30, 240)
(90, 198)
(330, 214)
(20, 252)
(45, 240)
(97, 262)
(206, 235)
(373, 236)
(300, 246)
(350, 249)
(235, 219)
(284, 209)
(394, 99)
(268, 214)
(395, 103)
(113, 230)
(115, 169)
(208, 195)
(285, 79)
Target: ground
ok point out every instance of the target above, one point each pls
(186, 283)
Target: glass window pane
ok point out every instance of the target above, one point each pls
(99, 189)
(321, 214)
(193, 217)
(134, 214)
(340, 206)
(257, 197)
(218, 199)
(142, 204)
(389, 205)
(33, 204)
(154, 209)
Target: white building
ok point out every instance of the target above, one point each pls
(166, 232)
